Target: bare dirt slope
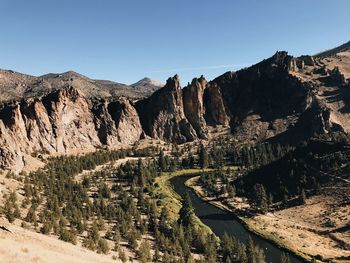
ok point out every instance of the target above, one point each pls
(341, 60)
(317, 228)
(19, 245)
(335, 97)
(328, 75)
(24, 246)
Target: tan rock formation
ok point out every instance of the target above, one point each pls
(62, 122)
(194, 106)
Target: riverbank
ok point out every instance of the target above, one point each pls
(317, 229)
(170, 199)
(247, 222)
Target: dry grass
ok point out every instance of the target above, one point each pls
(169, 197)
(171, 200)
(304, 229)
(24, 246)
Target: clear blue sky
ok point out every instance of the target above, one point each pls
(125, 40)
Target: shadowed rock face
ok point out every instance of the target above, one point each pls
(215, 112)
(264, 93)
(126, 120)
(117, 122)
(194, 109)
(162, 115)
(266, 88)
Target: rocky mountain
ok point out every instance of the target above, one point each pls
(147, 85)
(162, 114)
(194, 108)
(282, 98)
(64, 121)
(15, 86)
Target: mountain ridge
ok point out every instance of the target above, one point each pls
(15, 85)
(266, 101)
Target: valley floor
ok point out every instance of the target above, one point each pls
(303, 228)
(319, 229)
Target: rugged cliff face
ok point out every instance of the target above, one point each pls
(261, 101)
(215, 112)
(127, 122)
(116, 122)
(280, 98)
(63, 122)
(194, 106)
(162, 115)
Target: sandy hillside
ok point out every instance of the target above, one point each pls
(24, 245)
(341, 60)
(307, 229)
(28, 247)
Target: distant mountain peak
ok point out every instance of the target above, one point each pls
(147, 83)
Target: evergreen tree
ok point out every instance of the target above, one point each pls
(203, 157)
(191, 161)
(302, 197)
(261, 198)
(31, 215)
(94, 233)
(144, 252)
(231, 190)
(251, 251)
(285, 258)
(164, 219)
(67, 235)
(186, 212)
(122, 256)
(102, 246)
(10, 208)
(161, 161)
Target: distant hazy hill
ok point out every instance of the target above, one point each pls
(15, 85)
(147, 85)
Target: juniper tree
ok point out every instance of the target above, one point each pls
(143, 253)
(203, 157)
(285, 258)
(261, 198)
(187, 211)
(10, 208)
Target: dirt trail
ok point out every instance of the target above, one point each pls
(116, 163)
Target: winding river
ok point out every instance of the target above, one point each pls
(221, 221)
